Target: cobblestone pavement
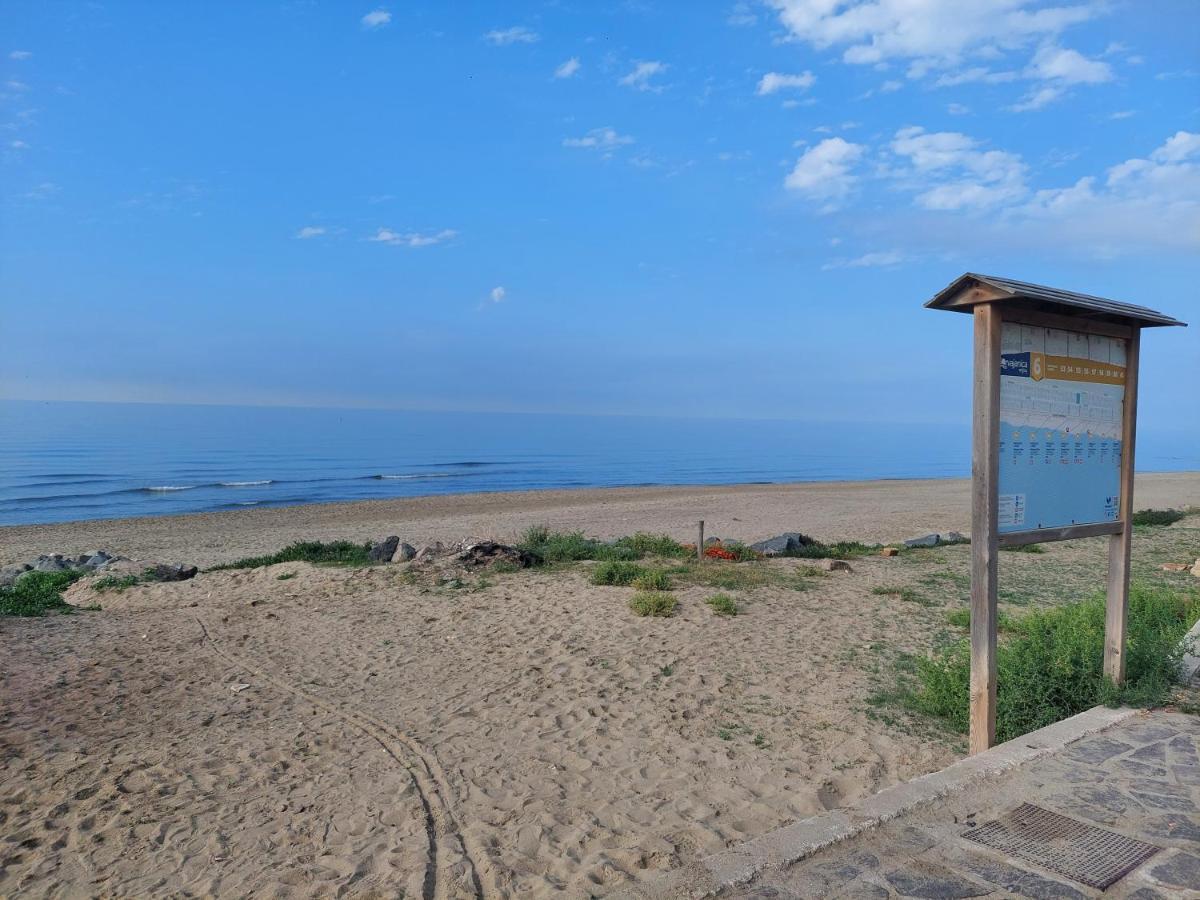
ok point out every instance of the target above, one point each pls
(1139, 778)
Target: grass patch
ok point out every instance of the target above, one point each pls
(37, 593)
(616, 572)
(1158, 516)
(907, 594)
(1050, 666)
(570, 546)
(645, 544)
(961, 618)
(653, 603)
(1025, 548)
(723, 605)
(652, 580)
(836, 550)
(320, 553)
(117, 583)
(285, 576)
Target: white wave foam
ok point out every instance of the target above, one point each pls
(414, 477)
(244, 483)
(162, 488)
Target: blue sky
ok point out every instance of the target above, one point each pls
(644, 207)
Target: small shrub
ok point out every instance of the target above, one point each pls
(652, 603)
(723, 605)
(616, 572)
(569, 546)
(284, 576)
(961, 618)
(1157, 516)
(836, 550)
(652, 580)
(117, 583)
(1025, 548)
(321, 553)
(908, 595)
(1051, 664)
(37, 593)
(645, 544)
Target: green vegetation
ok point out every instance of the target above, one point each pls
(645, 544)
(723, 605)
(37, 593)
(116, 583)
(652, 580)
(284, 576)
(569, 546)
(321, 553)
(1158, 516)
(1050, 665)
(1025, 548)
(653, 603)
(907, 594)
(836, 550)
(616, 572)
(961, 618)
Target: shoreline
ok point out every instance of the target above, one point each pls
(878, 510)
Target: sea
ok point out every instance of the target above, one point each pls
(73, 461)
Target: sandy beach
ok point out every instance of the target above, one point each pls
(294, 730)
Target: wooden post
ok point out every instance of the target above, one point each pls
(985, 471)
(700, 543)
(1119, 544)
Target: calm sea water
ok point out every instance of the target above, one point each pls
(67, 461)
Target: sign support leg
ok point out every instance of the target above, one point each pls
(985, 470)
(1117, 605)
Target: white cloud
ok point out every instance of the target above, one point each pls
(376, 18)
(979, 74)
(518, 34)
(567, 69)
(1037, 99)
(777, 81)
(497, 294)
(1183, 145)
(937, 32)
(1059, 64)
(951, 171)
(606, 138)
(742, 15)
(16, 86)
(20, 54)
(957, 109)
(868, 260)
(639, 78)
(309, 231)
(889, 87)
(43, 191)
(824, 173)
(1123, 114)
(412, 238)
(18, 145)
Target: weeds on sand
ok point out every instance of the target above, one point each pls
(1050, 665)
(285, 576)
(616, 572)
(1025, 548)
(907, 594)
(645, 544)
(723, 605)
(37, 593)
(1158, 516)
(653, 603)
(836, 550)
(548, 546)
(121, 583)
(652, 580)
(321, 553)
(961, 618)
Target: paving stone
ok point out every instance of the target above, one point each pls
(1182, 870)
(864, 891)
(1173, 826)
(1097, 749)
(1019, 881)
(1152, 753)
(1172, 802)
(1149, 731)
(1146, 771)
(1183, 751)
(1186, 774)
(1145, 893)
(768, 893)
(933, 883)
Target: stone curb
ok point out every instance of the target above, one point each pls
(1191, 662)
(791, 843)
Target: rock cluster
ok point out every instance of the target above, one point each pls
(96, 561)
(471, 553)
(784, 543)
(934, 540)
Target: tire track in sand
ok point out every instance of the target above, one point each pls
(451, 871)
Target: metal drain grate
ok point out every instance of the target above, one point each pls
(1093, 856)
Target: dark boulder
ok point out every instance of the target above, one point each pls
(784, 543)
(488, 553)
(384, 550)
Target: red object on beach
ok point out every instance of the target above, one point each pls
(716, 551)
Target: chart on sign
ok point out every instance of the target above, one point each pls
(1061, 397)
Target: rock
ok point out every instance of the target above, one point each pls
(177, 572)
(53, 562)
(1175, 567)
(97, 560)
(1196, 569)
(954, 537)
(429, 552)
(404, 552)
(488, 553)
(10, 574)
(836, 565)
(708, 542)
(925, 540)
(238, 688)
(384, 550)
(889, 551)
(783, 543)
